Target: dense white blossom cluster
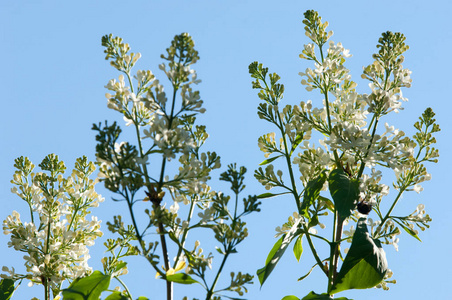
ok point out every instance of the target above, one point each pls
(355, 148)
(56, 240)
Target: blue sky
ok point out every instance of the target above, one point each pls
(54, 72)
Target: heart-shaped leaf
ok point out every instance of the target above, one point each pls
(312, 192)
(365, 264)
(181, 278)
(291, 297)
(344, 191)
(87, 288)
(117, 296)
(314, 296)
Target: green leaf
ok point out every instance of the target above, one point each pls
(117, 296)
(314, 296)
(120, 266)
(120, 296)
(298, 247)
(219, 250)
(296, 142)
(314, 221)
(6, 289)
(174, 238)
(267, 161)
(345, 192)
(181, 278)
(312, 192)
(275, 255)
(329, 204)
(291, 297)
(365, 264)
(269, 195)
(87, 288)
(408, 229)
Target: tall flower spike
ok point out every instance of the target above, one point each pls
(181, 54)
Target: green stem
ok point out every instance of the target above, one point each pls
(184, 235)
(31, 211)
(422, 146)
(74, 215)
(314, 252)
(46, 292)
(212, 288)
(134, 222)
(331, 258)
(130, 80)
(320, 237)
(289, 165)
(321, 52)
(363, 164)
(125, 287)
(169, 284)
(374, 117)
(236, 204)
(140, 147)
(383, 220)
(334, 250)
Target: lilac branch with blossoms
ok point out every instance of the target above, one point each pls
(347, 163)
(166, 135)
(165, 166)
(57, 238)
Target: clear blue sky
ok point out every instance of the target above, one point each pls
(53, 77)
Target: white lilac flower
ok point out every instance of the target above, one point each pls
(63, 254)
(349, 233)
(291, 226)
(206, 215)
(174, 208)
(394, 242)
(418, 188)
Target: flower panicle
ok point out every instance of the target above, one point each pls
(57, 241)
